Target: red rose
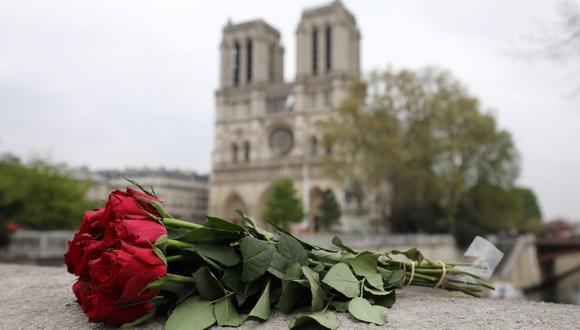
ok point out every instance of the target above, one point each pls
(124, 274)
(83, 290)
(82, 249)
(99, 307)
(94, 223)
(136, 232)
(87, 244)
(130, 204)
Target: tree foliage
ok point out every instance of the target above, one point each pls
(419, 142)
(282, 205)
(328, 210)
(37, 196)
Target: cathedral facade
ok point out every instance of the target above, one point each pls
(267, 128)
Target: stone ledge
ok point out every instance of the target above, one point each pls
(34, 297)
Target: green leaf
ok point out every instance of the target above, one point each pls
(136, 184)
(375, 291)
(245, 290)
(157, 284)
(338, 243)
(209, 287)
(282, 230)
(388, 300)
(341, 278)
(262, 308)
(182, 291)
(340, 306)
(322, 320)
(261, 232)
(385, 273)
(192, 314)
(209, 235)
(294, 272)
(292, 293)
(365, 264)
(218, 223)
(328, 256)
(361, 309)
(396, 277)
(142, 319)
(232, 277)
(291, 250)
(318, 268)
(160, 209)
(226, 314)
(288, 252)
(318, 295)
(412, 254)
(161, 242)
(274, 271)
(256, 257)
(224, 254)
(212, 263)
(176, 233)
(159, 253)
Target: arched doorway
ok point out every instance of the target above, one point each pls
(232, 203)
(261, 205)
(314, 199)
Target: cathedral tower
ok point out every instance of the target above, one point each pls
(251, 53)
(327, 43)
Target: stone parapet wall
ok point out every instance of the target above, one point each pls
(41, 298)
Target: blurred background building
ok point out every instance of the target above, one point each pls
(184, 193)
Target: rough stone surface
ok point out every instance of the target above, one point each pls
(34, 297)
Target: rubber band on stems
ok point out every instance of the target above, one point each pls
(443, 275)
(412, 274)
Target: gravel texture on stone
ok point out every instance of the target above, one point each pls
(34, 297)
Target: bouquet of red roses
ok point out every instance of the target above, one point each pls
(116, 254)
(135, 261)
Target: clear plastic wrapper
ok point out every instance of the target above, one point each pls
(483, 257)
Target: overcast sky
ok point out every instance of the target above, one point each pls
(113, 83)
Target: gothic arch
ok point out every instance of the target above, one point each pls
(314, 199)
(261, 205)
(233, 202)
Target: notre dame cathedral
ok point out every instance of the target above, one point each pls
(268, 128)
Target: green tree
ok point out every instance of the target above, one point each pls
(531, 217)
(282, 205)
(37, 196)
(329, 210)
(418, 141)
(488, 208)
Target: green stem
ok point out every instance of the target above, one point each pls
(178, 257)
(180, 278)
(423, 277)
(314, 262)
(178, 244)
(439, 271)
(170, 222)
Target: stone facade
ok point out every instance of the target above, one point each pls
(268, 128)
